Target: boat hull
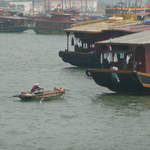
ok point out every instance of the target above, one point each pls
(121, 81)
(26, 98)
(80, 59)
(48, 31)
(12, 29)
(50, 27)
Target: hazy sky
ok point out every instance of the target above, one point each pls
(103, 1)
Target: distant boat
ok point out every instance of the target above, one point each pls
(13, 24)
(55, 22)
(126, 67)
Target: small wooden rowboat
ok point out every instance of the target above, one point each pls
(42, 96)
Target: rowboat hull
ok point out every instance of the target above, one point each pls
(24, 98)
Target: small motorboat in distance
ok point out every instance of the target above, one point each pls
(41, 96)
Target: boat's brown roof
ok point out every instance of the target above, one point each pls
(100, 25)
(133, 28)
(132, 39)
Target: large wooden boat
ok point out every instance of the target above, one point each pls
(42, 96)
(55, 22)
(13, 24)
(125, 10)
(83, 38)
(126, 66)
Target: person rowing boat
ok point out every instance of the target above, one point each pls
(36, 88)
(37, 94)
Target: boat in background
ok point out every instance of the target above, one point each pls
(12, 21)
(56, 21)
(126, 66)
(53, 23)
(13, 24)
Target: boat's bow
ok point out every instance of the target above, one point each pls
(120, 80)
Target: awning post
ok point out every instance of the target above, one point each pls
(68, 33)
(134, 59)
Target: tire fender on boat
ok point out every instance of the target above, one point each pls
(88, 73)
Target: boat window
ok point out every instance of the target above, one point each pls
(128, 58)
(101, 58)
(105, 55)
(115, 57)
(110, 57)
(121, 55)
(81, 44)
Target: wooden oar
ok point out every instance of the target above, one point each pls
(15, 95)
(42, 99)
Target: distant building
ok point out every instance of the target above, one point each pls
(25, 7)
(83, 5)
(4, 4)
(41, 6)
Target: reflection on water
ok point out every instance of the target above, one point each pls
(123, 101)
(73, 69)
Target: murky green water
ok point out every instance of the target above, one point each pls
(87, 117)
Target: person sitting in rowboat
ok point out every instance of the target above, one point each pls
(36, 88)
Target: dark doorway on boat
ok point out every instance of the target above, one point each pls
(140, 59)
